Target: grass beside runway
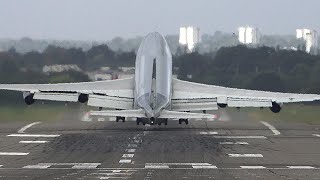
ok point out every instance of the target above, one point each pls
(37, 112)
(290, 113)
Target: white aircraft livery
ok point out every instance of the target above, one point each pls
(153, 96)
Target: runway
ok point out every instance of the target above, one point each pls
(240, 148)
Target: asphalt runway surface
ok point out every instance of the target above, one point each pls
(230, 147)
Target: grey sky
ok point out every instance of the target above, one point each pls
(105, 19)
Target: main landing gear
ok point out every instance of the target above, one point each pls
(119, 118)
(152, 121)
(186, 121)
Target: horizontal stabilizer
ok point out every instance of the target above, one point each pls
(138, 113)
(183, 115)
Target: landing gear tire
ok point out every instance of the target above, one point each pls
(118, 118)
(166, 122)
(186, 121)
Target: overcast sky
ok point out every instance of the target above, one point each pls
(105, 19)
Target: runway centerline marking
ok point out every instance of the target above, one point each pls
(234, 143)
(33, 142)
(125, 161)
(246, 155)
(13, 153)
(272, 128)
(239, 137)
(27, 126)
(34, 135)
(127, 155)
(130, 150)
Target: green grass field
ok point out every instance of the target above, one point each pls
(290, 113)
(36, 112)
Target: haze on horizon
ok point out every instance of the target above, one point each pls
(103, 20)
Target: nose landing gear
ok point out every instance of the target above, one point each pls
(186, 121)
(118, 118)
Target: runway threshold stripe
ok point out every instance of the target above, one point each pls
(33, 142)
(272, 128)
(27, 126)
(34, 135)
(246, 155)
(317, 135)
(252, 167)
(13, 154)
(234, 143)
(239, 137)
(156, 167)
(300, 167)
(209, 133)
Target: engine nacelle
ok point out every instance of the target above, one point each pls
(28, 98)
(83, 98)
(276, 108)
(222, 105)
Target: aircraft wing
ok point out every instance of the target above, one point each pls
(112, 93)
(188, 96)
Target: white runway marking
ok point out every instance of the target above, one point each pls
(317, 135)
(33, 142)
(125, 161)
(272, 128)
(156, 166)
(234, 143)
(101, 119)
(204, 167)
(167, 165)
(34, 135)
(252, 167)
(246, 155)
(127, 155)
(13, 154)
(301, 167)
(27, 126)
(74, 165)
(209, 133)
(240, 137)
(130, 150)
(132, 145)
(112, 118)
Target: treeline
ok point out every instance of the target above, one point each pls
(262, 68)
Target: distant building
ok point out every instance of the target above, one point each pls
(311, 39)
(249, 35)
(189, 37)
(60, 68)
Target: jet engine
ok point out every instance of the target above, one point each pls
(276, 108)
(83, 98)
(28, 98)
(222, 105)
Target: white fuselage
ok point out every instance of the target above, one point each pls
(153, 90)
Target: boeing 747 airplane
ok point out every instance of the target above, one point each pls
(155, 97)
